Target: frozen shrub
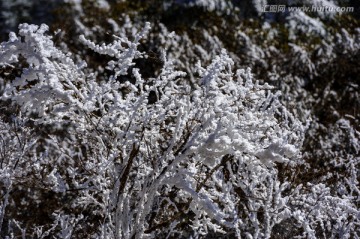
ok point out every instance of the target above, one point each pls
(137, 168)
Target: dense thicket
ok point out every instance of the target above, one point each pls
(179, 119)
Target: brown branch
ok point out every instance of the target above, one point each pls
(224, 160)
(126, 173)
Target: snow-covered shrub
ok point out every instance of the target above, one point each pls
(164, 138)
(135, 168)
